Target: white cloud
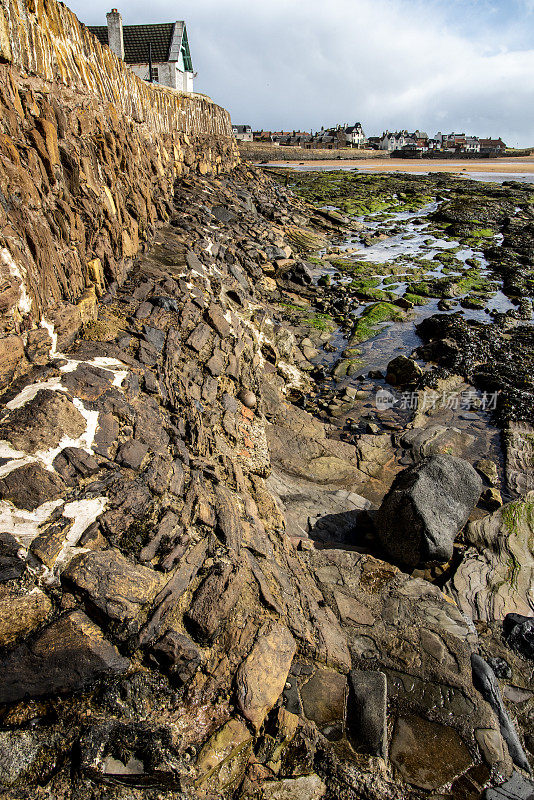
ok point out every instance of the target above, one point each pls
(387, 63)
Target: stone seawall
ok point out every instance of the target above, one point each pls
(89, 156)
(47, 40)
(257, 152)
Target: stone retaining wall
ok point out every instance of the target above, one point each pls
(257, 152)
(89, 156)
(44, 38)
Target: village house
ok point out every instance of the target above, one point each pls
(393, 141)
(337, 137)
(346, 135)
(355, 135)
(455, 142)
(401, 139)
(492, 146)
(274, 137)
(472, 144)
(243, 133)
(262, 136)
(460, 143)
(331, 138)
(158, 53)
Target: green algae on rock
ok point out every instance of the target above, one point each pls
(368, 324)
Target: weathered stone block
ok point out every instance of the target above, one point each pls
(20, 614)
(427, 755)
(261, 677)
(31, 485)
(117, 587)
(368, 711)
(12, 359)
(69, 655)
(42, 422)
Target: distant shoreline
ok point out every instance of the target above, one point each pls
(508, 166)
(260, 152)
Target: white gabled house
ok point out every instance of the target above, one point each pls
(472, 144)
(164, 46)
(355, 135)
(394, 141)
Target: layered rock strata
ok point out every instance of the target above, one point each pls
(216, 655)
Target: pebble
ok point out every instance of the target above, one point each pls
(248, 398)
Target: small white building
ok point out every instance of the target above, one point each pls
(394, 141)
(243, 133)
(355, 135)
(472, 144)
(165, 45)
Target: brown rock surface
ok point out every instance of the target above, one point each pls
(20, 614)
(12, 359)
(31, 485)
(42, 422)
(427, 755)
(262, 676)
(118, 588)
(68, 655)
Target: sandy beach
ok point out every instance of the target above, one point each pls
(512, 166)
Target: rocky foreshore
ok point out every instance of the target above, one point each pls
(198, 595)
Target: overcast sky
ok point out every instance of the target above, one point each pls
(449, 65)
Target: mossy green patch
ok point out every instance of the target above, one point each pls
(416, 299)
(362, 195)
(514, 513)
(371, 319)
(321, 322)
(482, 233)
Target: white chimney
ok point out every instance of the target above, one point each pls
(115, 38)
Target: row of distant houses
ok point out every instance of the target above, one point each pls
(353, 136)
(418, 141)
(327, 138)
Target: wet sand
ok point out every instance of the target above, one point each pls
(503, 166)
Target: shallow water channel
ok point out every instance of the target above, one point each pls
(410, 238)
(413, 242)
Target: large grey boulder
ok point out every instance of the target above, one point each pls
(426, 507)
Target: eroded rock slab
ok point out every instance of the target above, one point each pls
(517, 788)
(42, 422)
(368, 711)
(427, 755)
(324, 699)
(20, 614)
(261, 678)
(67, 656)
(118, 588)
(308, 787)
(30, 486)
(496, 576)
(223, 757)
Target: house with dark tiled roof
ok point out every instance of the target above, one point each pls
(243, 133)
(492, 146)
(355, 135)
(158, 53)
